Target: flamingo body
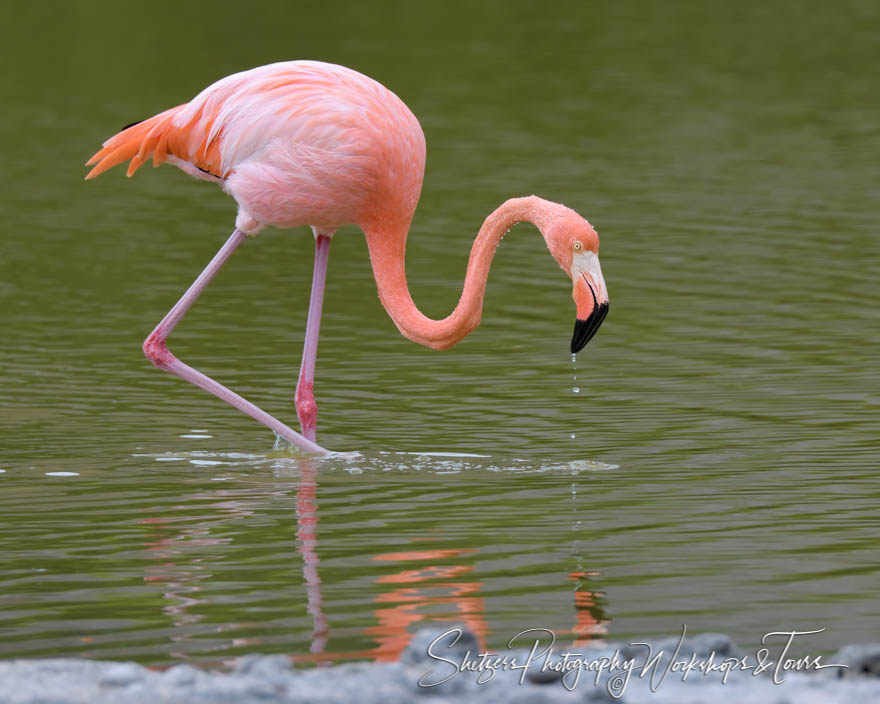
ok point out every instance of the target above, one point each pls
(294, 143)
(308, 143)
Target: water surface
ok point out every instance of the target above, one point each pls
(722, 471)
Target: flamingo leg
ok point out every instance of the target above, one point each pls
(158, 353)
(306, 408)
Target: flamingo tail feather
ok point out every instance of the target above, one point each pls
(155, 137)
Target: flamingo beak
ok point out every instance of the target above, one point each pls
(591, 298)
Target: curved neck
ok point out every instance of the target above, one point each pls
(387, 245)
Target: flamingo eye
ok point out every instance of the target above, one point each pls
(577, 246)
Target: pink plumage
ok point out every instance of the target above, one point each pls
(295, 143)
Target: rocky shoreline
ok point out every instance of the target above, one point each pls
(443, 666)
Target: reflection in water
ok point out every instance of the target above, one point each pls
(307, 543)
(443, 593)
(590, 623)
(435, 585)
(170, 543)
(329, 564)
(179, 583)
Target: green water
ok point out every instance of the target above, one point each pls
(722, 472)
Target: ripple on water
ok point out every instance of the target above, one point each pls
(734, 391)
(404, 461)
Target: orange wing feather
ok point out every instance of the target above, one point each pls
(158, 138)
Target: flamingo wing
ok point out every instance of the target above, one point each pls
(320, 106)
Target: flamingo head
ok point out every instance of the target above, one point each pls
(589, 293)
(575, 245)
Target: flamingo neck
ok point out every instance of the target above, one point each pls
(387, 245)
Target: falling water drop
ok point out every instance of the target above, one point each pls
(574, 389)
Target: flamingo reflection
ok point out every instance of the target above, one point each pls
(422, 585)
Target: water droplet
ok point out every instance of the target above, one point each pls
(573, 358)
(575, 389)
(572, 436)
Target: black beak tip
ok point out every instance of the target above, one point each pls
(579, 338)
(575, 347)
(585, 329)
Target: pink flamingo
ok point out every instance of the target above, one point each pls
(309, 143)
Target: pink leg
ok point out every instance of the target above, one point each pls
(306, 408)
(158, 353)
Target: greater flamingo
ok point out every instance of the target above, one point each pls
(309, 143)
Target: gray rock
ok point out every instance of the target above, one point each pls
(452, 643)
(122, 674)
(181, 676)
(266, 666)
(861, 660)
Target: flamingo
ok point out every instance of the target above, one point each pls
(309, 143)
